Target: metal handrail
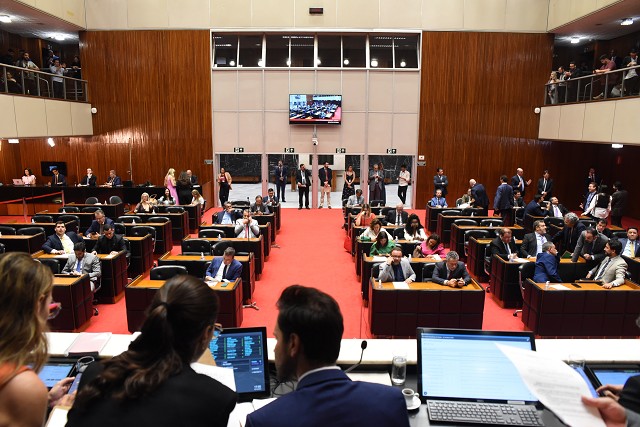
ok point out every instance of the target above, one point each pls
(78, 93)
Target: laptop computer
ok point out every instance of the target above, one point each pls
(461, 371)
(244, 350)
(17, 181)
(602, 374)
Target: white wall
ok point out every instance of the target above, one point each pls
(562, 12)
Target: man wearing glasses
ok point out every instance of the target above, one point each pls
(246, 226)
(397, 268)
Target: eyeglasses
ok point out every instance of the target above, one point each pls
(217, 330)
(54, 310)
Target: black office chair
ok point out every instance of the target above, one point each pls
(196, 247)
(219, 248)
(91, 201)
(53, 264)
(589, 223)
(375, 270)
(129, 219)
(143, 230)
(491, 223)
(97, 286)
(398, 233)
(30, 231)
(356, 210)
(384, 211)
(211, 233)
(42, 218)
(427, 271)
(67, 218)
(525, 271)
(91, 209)
(451, 212)
(552, 220)
(2, 248)
(175, 209)
(465, 221)
(240, 203)
(69, 209)
(375, 203)
(114, 200)
(619, 234)
(9, 231)
(478, 234)
(166, 272)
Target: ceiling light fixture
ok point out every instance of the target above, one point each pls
(374, 62)
(403, 63)
(575, 40)
(14, 141)
(50, 142)
(232, 63)
(59, 37)
(6, 19)
(346, 61)
(627, 21)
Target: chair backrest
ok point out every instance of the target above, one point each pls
(42, 218)
(127, 243)
(219, 248)
(175, 209)
(196, 247)
(53, 264)
(491, 223)
(30, 231)
(119, 228)
(589, 223)
(451, 212)
(143, 230)
(356, 210)
(375, 270)
(166, 272)
(68, 218)
(376, 203)
(114, 200)
(398, 233)
(9, 231)
(552, 220)
(240, 203)
(69, 209)
(478, 234)
(128, 219)
(211, 233)
(91, 208)
(459, 201)
(619, 234)
(526, 271)
(427, 271)
(159, 219)
(91, 201)
(464, 221)
(386, 210)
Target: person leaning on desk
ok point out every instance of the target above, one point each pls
(225, 268)
(451, 271)
(613, 268)
(547, 264)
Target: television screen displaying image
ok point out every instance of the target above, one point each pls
(315, 109)
(46, 168)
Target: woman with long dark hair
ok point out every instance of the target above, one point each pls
(153, 383)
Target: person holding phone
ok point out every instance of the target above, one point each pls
(451, 272)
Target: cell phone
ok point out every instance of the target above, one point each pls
(224, 285)
(75, 383)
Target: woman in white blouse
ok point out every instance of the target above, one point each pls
(197, 198)
(28, 178)
(414, 231)
(374, 228)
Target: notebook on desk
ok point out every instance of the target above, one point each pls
(463, 370)
(245, 351)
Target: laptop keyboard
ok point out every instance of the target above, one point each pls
(483, 413)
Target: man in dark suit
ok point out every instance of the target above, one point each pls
(534, 208)
(518, 201)
(303, 179)
(504, 245)
(545, 186)
(89, 180)
(80, 262)
(547, 265)
(631, 76)
(440, 182)
(532, 242)
(114, 180)
(97, 225)
(325, 174)
(227, 216)
(590, 246)
(281, 173)
(259, 207)
(61, 242)
(109, 243)
(398, 216)
(308, 335)
(58, 180)
(572, 86)
(503, 203)
(192, 177)
(518, 182)
(631, 244)
(618, 203)
(478, 195)
(569, 235)
(556, 209)
(270, 199)
(225, 268)
(451, 271)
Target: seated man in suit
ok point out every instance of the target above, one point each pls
(590, 246)
(396, 268)
(114, 180)
(246, 226)
(535, 207)
(611, 271)
(547, 265)
(355, 199)
(192, 177)
(532, 242)
(631, 245)
(503, 245)
(225, 268)
(109, 243)
(57, 180)
(556, 209)
(518, 201)
(601, 227)
(270, 199)
(97, 225)
(570, 234)
(397, 216)
(80, 262)
(259, 207)
(451, 271)
(61, 242)
(438, 201)
(308, 336)
(89, 180)
(226, 216)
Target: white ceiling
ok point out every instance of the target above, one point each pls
(32, 23)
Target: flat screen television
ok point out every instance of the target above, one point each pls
(46, 168)
(315, 109)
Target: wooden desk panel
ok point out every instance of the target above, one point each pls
(457, 235)
(141, 259)
(254, 244)
(197, 267)
(398, 312)
(194, 215)
(367, 265)
(74, 293)
(179, 223)
(475, 261)
(266, 231)
(140, 293)
(163, 242)
(444, 224)
(20, 243)
(110, 211)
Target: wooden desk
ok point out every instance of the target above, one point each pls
(254, 244)
(398, 312)
(445, 223)
(85, 219)
(141, 259)
(197, 267)
(194, 215)
(110, 211)
(74, 293)
(367, 265)
(364, 247)
(49, 227)
(633, 267)
(179, 223)
(266, 231)
(431, 217)
(475, 260)
(163, 230)
(457, 235)
(588, 311)
(20, 243)
(265, 220)
(140, 293)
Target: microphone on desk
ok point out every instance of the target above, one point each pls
(363, 346)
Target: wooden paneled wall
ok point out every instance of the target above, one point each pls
(152, 90)
(478, 92)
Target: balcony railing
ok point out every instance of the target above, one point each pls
(612, 84)
(23, 81)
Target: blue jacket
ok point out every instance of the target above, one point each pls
(546, 268)
(233, 272)
(504, 198)
(95, 227)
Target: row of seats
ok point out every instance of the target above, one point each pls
(206, 247)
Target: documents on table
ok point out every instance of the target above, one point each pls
(238, 416)
(378, 258)
(520, 260)
(559, 287)
(371, 377)
(558, 387)
(222, 375)
(400, 285)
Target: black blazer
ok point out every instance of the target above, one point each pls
(561, 207)
(61, 180)
(391, 217)
(91, 182)
(515, 183)
(549, 188)
(106, 246)
(441, 273)
(325, 175)
(618, 202)
(479, 194)
(568, 237)
(534, 209)
(497, 246)
(307, 178)
(54, 243)
(220, 216)
(630, 396)
(529, 245)
(115, 181)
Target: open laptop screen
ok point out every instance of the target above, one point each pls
(468, 365)
(244, 350)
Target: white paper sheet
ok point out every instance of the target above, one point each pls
(400, 285)
(560, 287)
(223, 375)
(520, 260)
(378, 258)
(556, 385)
(238, 417)
(58, 417)
(436, 257)
(371, 377)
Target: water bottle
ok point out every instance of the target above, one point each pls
(546, 285)
(490, 225)
(64, 211)
(33, 221)
(219, 238)
(409, 256)
(379, 283)
(0, 234)
(201, 256)
(133, 222)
